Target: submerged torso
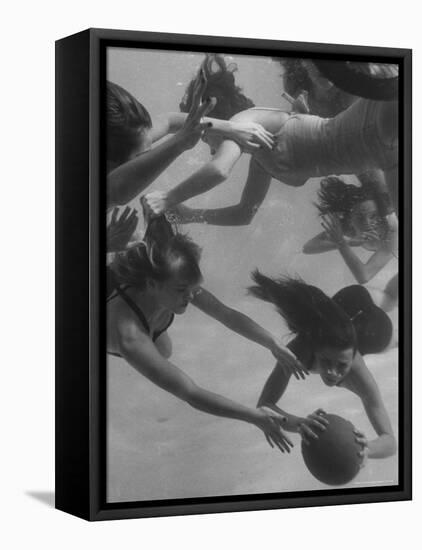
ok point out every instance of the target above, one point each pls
(309, 146)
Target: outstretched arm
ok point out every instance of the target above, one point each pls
(130, 178)
(365, 386)
(139, 351)
(274, 388)
(254, 192)
(246, 327)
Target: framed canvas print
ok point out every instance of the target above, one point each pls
(233, 274)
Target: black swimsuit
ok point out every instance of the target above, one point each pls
(120, 291)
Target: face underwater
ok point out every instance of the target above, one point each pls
(365, 216)
(333, 365)
(176, 294)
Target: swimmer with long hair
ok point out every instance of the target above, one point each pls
(359, 217)
(150, 284)
(362, 137)
(331, 337)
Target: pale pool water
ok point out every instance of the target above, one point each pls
(159, 447)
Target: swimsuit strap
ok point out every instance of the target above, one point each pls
(134, 307)
(158, 333)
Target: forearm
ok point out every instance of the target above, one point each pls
(317, 246)
(200, 182)
(131, 178)
(220, 127)
(272, 392)
(217, 405)
(292, 422)
(246, 327)
(382, 447)
(356, 266)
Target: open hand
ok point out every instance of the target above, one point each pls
(251, 136)
(289, 362)
(194, 127)
(120, 230)
(270, 422)
(312, 424)
(332, 225)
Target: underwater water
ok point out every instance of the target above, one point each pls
(157, 446)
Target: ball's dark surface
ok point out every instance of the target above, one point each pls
(333, 457)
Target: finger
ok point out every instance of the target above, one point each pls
(202, 110)
(279, 442)
(287, 440)
(317, 424)
(197, 92)
(319, 420)
(253, 145)
(282, 445)
(125, 215)
(265, 140)
(133, 216)
(114, 216)
(267, 437)
(307, 432)
(304, 437)
(299, 370)
(292, 371)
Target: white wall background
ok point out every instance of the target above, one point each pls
(27, 243)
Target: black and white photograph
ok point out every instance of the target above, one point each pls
(252, 266)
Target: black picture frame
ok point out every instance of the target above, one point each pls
(80, 276)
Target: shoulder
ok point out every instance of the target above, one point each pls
(360, 380)
(124, 322)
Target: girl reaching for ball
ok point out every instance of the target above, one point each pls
(156, 280)
(331, 338)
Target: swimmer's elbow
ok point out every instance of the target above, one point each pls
(362, 277)
(244, 216)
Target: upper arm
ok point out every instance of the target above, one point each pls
(319, 243)
(368, 390)
(226, 156)
(270, 119)
(161, 127)
(139, 351)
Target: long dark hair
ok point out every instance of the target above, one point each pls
(308, 312)
(126, 119)
(221, 85)
(337, 197)
(163, 253)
